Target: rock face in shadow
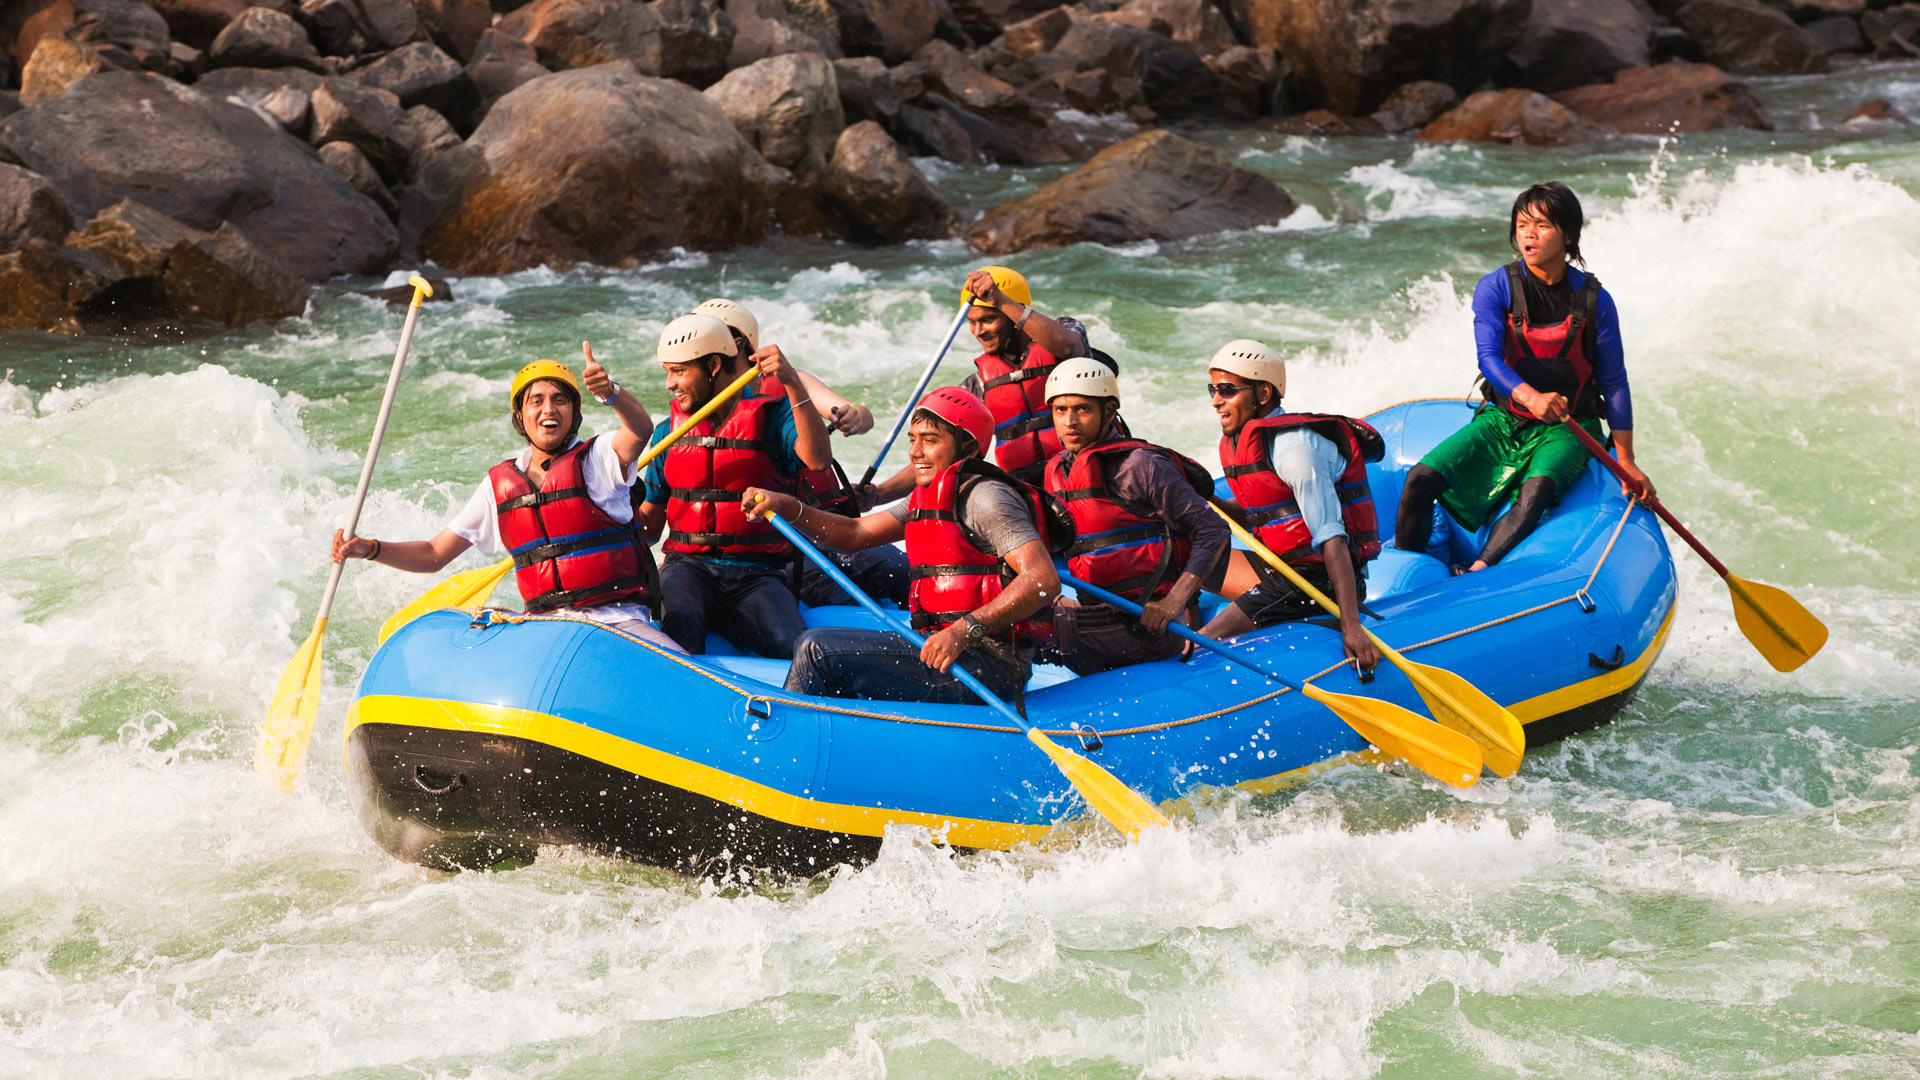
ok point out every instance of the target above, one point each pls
(1347, 55)
(601, 165)
(204, 162)
(1154, 186)
(1571, 43)
(882, 195)
(1415, 105)
(30, 209)
(1511, 116)
(1670, 97)
(169, 270)
(1749, 37)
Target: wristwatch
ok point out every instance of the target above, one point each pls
(977, 631)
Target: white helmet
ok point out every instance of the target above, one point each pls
(734, 316)
(1249, 359)
(1085, 376)
(690, 337)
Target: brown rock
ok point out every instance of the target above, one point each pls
(582, 33)
(291, 108)
(763, 28)
(1154, 186)
(1837, 34)
(130, 26)
(264, 38)
(501, 64)
(1668, 98)
(1031, 37)
(890, 29)
(1894, 33)
(1097, 92)
(56, 64)
(885, 198)
(1877, 111)
(1805, 11)
(30, 208)
(420, 74)
(984, 20)
(936, 132)
(454, 25)
(601, 165)
(336, 27)
(402, 295)
(951, 73)
(1175, 81)
(365, 116)
(866, 89)
(388, 24)
(1570, 43)
(185, 62)
(253, 86)
(198, 22)
(1347, 55)
(1257, 73)
(353, 166)
(217, 277)
(1198, 23)
(1415, 105)
(1324, 122)
(1510, 116)
(1748, 37)
(203, 161)
(787, 107)
(696, 37)
(47, 288)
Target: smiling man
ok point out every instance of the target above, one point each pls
(1142, 526)
(563, 507)
(981, 567)
(1549, 346)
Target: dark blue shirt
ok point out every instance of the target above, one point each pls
(1490, 304)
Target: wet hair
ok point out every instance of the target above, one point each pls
(521, 398)
(969, 446)
(1557, 203)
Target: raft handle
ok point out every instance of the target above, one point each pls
(1619, 660)
(1089, 739)
(1586, 602)
(760, 708)
(429, 780)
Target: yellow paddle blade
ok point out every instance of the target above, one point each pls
(469, 588)
(1460, 705)
(1785, 633)
(282, 748)
(1447, 756)
(1129, 811)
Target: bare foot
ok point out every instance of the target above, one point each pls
(1478, 564)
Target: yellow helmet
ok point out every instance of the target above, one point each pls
(543, 369)
(1010, 282)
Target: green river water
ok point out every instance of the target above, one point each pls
(1726, 882)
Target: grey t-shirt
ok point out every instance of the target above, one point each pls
(995, 518)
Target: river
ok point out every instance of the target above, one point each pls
(1724, 882)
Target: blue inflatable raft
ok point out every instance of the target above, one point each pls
(472, 739)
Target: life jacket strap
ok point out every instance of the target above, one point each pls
(539, 498)
(560, 549)
(560, 598)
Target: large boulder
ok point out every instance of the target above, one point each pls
(198, 22)
(202, 161)
(1748, 37)
(581, 33)
(1347, 55)
(46, 287)
(1154, 186)
(1198, 23)
(30, 208)
(883, 196)
(696, 38)
(189, 274)
(787, 107)
(421, 74)
(264, 38)
(1511, 116)
(890, 29)
(866, 89)
(601, 165)
(1667, 98)
(1174, 79)
(55, 65)
(1571, 43)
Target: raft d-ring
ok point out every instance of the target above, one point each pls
(434, 782)
(482, 620)
(1586, 602)
(760, 708)
(1089, 739)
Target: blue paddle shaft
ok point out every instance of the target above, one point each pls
(891, 619)
(1176, 628)
(925, 378)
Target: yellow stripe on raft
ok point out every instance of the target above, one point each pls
(674, 771)
(1604, 685)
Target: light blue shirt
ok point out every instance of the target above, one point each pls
(1311, 465)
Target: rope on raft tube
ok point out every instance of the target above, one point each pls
(1580, 594)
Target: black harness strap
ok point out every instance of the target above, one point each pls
(563, 548)
(538, 498)
(560, 598)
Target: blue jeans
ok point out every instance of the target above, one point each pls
(754, 602)
(881, 572)
(880, 665)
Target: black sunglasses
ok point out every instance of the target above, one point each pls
(1226, 389)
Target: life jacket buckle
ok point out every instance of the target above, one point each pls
(1089, 739)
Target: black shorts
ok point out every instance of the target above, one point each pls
(1277, 600)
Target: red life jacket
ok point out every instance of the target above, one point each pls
(706, 472)
(1115, 548)
(1268, 500)
(1556, 359)
(1017, 397)
(826, 488)
(566, 551)
(950, 577)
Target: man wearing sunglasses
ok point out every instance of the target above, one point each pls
(1299, 481)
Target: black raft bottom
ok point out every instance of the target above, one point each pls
(467, 800)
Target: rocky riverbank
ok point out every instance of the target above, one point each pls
(204, 161)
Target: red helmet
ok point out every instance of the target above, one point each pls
(964, 411)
